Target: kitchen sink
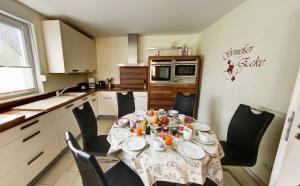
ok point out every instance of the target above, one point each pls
(73, 94)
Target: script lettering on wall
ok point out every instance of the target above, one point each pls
(240, 59)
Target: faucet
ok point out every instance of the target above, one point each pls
(60, 93)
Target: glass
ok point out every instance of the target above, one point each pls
(185, 70)
(17, 73)
(161, 73)
(169, 140)
(139, 131)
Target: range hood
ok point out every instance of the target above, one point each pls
(133, 51)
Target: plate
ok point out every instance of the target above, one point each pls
(122, 122)
(191, 150)
(210, 142)
(201, 127)
(134, 143)
(140, 113)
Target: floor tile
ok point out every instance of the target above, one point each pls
(66, 179)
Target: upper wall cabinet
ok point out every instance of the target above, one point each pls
(68, 51)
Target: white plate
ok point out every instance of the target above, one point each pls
(158, 149)
(211, 142)
(140, 113)
(134, 143)
(201, 127)
(122, 122)
(191, 150)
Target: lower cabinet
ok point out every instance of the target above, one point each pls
(140, 101)
(93, 99)
(66, 121)
(108, 103)
(23, 158)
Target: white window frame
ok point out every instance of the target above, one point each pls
(31, 54)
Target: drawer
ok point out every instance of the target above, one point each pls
(108, 94)
(25, 128)
(21, 149)
(29, 168)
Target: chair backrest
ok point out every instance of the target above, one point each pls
(246, 129)
(87, 122)
(125, 103)
(90, 171)
(184, 103)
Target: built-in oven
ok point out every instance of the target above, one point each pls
(185, 71)
(161, 71)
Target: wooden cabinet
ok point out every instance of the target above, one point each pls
(162, 95)
(68, 51)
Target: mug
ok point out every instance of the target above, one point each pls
(157, 142)
(187, 133)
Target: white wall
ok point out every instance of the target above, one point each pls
(114, 50)
(273, 27)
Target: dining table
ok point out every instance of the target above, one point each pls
(169, 164)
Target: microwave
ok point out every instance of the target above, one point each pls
(161, 71)
(180, 72)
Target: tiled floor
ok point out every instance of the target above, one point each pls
(65, 172)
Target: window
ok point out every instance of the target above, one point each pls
(17, 72)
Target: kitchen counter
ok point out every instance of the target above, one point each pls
(6, 124)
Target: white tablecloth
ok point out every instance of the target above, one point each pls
(167, 165)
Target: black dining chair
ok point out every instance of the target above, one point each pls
(244, 134)
(184, 103)
(92, 142)
(125, 103)
(92, 174)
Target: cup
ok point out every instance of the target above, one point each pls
(132, 124)
(204, 138)
(181, 118)
(187, 133)
(157, 142)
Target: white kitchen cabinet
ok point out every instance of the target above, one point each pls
(108, 103)
(68, 51)
(93, 99)
(140, 101)
(28, 152)
(66, 121)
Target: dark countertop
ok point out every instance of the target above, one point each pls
(30, 114)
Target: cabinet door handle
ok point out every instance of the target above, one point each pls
(29, 124)
(71, 105)
(74, 70)
(36, 157)
(87, 70)
(93, 100)
(31, 136)
(84, 99)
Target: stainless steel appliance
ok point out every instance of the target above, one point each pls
(161, 71)
(173, 72)
(185, 71)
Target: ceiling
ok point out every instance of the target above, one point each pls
(147, 17)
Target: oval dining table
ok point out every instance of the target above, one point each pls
(167, 165)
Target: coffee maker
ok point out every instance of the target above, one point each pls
(92, 82)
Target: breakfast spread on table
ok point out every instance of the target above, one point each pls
(168, 141)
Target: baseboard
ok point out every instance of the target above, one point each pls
(254, 176)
